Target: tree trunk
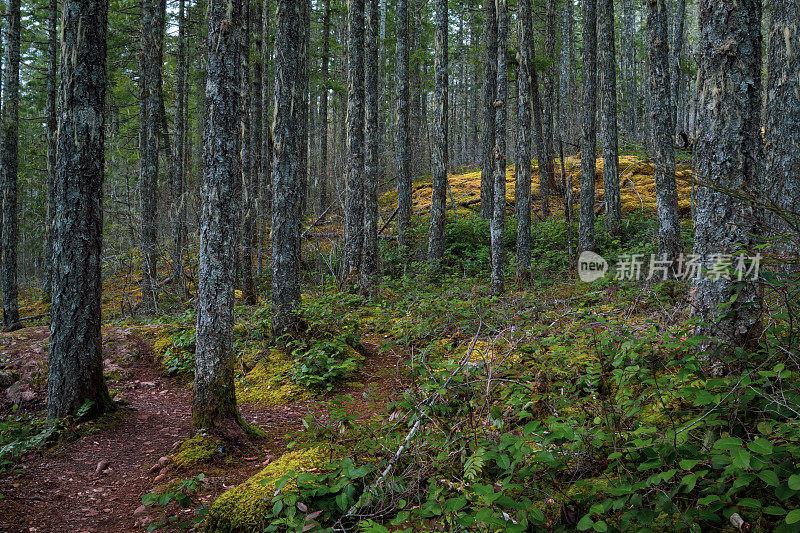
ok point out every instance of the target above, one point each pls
(76, 349)
(214, 396)
(149, 114)
(52, 139)
(589, 140)
(606, 45)
(522, 174)
(179, 162)
(727, 153)
(291, 67)
(497, 224)
(256, 132)
(249, 184)
(10, 168)
(372, 174)
(322, 176)
(265, 184)
(569, 83)
(546, 170)
(782, 123)
(440, 144)
(676, 74)
(354, 196)
(629, 72)
(669, 230)
(489, 95)
(403, 126)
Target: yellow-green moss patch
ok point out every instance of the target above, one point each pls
(198, 450)
(270, 383)
(243, 508)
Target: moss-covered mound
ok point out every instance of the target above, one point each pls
(270, 382)
(198, 450)
(243, 508)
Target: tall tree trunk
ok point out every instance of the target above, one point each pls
(606, 46)
(675, 60)
(256, 130)
(440, 144)
(781, 176)
(629, 60)
(202, 57)
(265, 184)
(546, 170)
(369, 266)
(248, 183)
(489, 95)
(179, 161)
(403, 126)
(52, 139)
(727, 153)
(497, 226)
(354, 196)
(10, 168)
(522, 174)
(669, 230)
(589, 139)
(569, 82)
(214, 396)
(75, 374)
(290, 134)
(149, 114)
(322, 175)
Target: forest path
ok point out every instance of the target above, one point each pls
(62, 490)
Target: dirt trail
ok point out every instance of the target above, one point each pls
(60, 490)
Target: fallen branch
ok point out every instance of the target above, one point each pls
(34, 317)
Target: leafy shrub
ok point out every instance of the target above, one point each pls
(320, 364)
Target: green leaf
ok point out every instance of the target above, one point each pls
(750, 502)
(760, 445)
(769, 477)
(793, 517)
(536, 516)
(688, 464)
(774, 510)
(728, 443)
(741, 458)
(585, 523)
(600, 526)
(794, 482)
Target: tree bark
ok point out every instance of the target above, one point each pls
(52, 139)
(676, 74)
(629, 72)
(322, 176)
(10, 170)
(727, 153)
(291, 67)
(606, 45)
(546, 169)
(440, 144)
(179, 162)
(669, 230)
(249, 182)
(403, 126)
(354, 195)
(214, 396)
(781, 180)
(149, 114)
(589, 140)
(522, 173)
(489, 95)
(372, 174)
(76, 350)
(497, 224)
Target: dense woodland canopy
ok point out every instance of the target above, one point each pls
(287, 198)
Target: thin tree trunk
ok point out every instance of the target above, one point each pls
(589, 140)
(256, 132)
(727, 153)
(546, 170)
(403, 126)
(440, 144)
(369, 266)
(489, 95)
(606, 46)
(52, 139)
(569, 82)
(497, 224)
(781, 180)
(214, 396)
(291, 67)
(179, 161)
(522, 174)
(675, 59)
(149, 115)
(75, 376)
(354, 196)
(322, 176)
(10, 169)
(265, 184)
(249, 184)
(629, 60)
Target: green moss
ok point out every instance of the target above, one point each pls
(195, 451)
(269, 382)
(244, 507)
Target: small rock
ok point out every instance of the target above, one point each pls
(159, 478)
(8, 378)
(20, 392)
(163, 460)
(145, 521)
(101, 465)
(155, 468)
(140, 510)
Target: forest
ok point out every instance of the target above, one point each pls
(399, 265)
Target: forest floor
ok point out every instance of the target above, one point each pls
(94, 482)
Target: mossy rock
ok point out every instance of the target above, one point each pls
(197, 450)
(269, 382)
(245, 507)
